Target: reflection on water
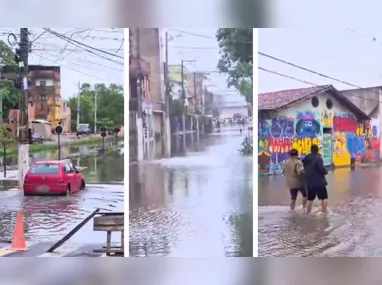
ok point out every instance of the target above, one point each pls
(106, 168)
(196, 203)
(352, 228)
(50, 218)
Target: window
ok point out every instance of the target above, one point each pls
(43, 97)
(41, 107)
(315, 102)
(45, 169)
(42, 83)
(329, 104)
(67, 168)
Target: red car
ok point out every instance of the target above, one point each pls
(53, 177)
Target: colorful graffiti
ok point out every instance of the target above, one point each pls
(308, 125)
(327, 149)
(327, 119)
(354, 140)
(275, 141)
(339, 137)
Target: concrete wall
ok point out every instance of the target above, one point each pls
(336, 131)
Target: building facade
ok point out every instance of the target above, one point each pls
(66, 115)
(137, 128)
(150, 50)
(44, 88)
(318, 115)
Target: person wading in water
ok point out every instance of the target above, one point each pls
(294, 176)
(315, 173)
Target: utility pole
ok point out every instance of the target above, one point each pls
(23, 135)
(184, 98)
(139, 94)
(95, 108)
(78, 105)
(167, 122)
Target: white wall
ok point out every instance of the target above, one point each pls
(321, 108)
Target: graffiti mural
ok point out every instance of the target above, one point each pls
(327, 149)
(340, 138)
(263, 146)
(327, 119)
(354, 140)
(275, 141)
(307, 125)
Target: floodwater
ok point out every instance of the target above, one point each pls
(196, 203)
(352, 227)
(50, 218)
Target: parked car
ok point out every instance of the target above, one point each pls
(53, 177)
(84, 131)
(37, 138)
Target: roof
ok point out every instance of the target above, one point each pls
(282, 99)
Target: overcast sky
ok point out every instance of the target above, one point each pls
(77, 64)
(201, 45)
(349, 55)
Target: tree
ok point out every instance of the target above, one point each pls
(8, 90)
(110, 106)
(7, 57)
(10, 97)
(237, 60)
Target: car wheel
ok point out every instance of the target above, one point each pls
(67, 190)
(82, 185)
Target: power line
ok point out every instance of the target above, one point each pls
(82, 44)
(308, 70)
(78, 57)
(208, 37)
(76, 70)
(313, 84)
(286, 76)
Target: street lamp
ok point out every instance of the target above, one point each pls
(103, 135)
(59, 131)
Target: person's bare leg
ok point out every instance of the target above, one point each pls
(309, 206)
(292, 204)
(304, 201)
(324, 206)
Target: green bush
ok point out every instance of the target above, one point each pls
(246, 146)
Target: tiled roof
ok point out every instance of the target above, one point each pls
(280, 99)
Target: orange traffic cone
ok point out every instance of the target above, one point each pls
(18, 242)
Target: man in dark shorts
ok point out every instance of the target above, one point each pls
(315, 173)
(294, 176)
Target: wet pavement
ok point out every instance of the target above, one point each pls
(196, 203)
(50, 218)
(352, 227)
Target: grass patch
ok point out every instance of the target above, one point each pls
(33, 148)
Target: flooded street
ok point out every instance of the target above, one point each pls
(352, 227)
(196, 203)
(50, 218)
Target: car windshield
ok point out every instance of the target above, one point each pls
(45, 169)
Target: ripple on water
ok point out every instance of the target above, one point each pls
(351, 228)
(50, 218)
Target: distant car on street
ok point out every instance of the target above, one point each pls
(37, 138)
(53, 177)
(84, 130)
